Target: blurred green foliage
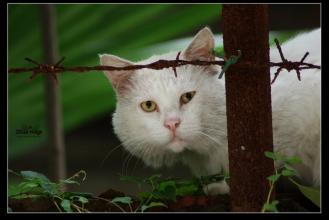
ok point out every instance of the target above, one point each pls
(84, 31)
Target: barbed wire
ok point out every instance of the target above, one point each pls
(161, 64)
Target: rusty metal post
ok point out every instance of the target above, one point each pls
(57, 157)
(248, 100)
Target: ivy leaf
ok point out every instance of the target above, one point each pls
(186, 190)
(293, 160)
(66, 204)
(70, 182)
(152, 178)
(311, 193)
(169, 192)
(288, 173)
(163, 185)
(13, 190)
(274, 177)
(232, 60)
(30, 186)
(77, 194)
(273, 156)
(50, 188)
(153, 204)
(143, 195)
(34, 175)
(124, 200)
(24, 187)
(81, 199)
(270, 154)
(25, 196)
(289, 170)
(271, 207)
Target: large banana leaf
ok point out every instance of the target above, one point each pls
(85, 30)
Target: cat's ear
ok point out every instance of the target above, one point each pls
(201, 47)
(119, 79)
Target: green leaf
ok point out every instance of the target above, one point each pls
(293, 160)
(83, 194)
(232, 60)
(28, 185)
(153, 204)
(311, 193)
(143, 195)
(274, 177)
(271, 207)
(51, 188)
(70, 182)
(25, 196)
(289, 172)
(162, 185)
(291, 169)
(81, 199)
(13, 190)
(168, 192)
(124, 200)
(34, 175)
(66, 204)
(270, 155)
(153, 177)
(187, 190)
(24, 187)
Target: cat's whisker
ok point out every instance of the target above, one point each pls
(127, 166)
(124, 163)
(138, 160)
(108, 154)
(211, 138)
(138, 148)
(142, 155)
(115, 148)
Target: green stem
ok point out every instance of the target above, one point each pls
(57, 205)
(270, 192)
(79, 208)
(107, 200)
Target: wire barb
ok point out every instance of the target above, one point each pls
(177, 63)
(290, 65)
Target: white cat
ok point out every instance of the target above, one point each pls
(163, 119)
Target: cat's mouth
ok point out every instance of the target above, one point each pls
(176, 139)
(177, 144)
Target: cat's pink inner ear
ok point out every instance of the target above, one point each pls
(119, 79)
(201, 47)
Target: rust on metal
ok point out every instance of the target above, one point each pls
(248, 101)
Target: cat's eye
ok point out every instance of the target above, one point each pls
(149, 106)
(187, 97)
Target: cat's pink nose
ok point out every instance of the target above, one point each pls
(172, 124)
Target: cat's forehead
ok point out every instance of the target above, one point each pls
(158, 83)
(163, 84)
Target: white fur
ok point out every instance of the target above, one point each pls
(296, 112)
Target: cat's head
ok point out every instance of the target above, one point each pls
(159, 116)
